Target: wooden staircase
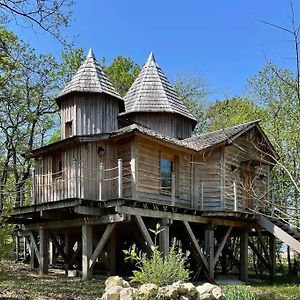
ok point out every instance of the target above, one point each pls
(281, 230)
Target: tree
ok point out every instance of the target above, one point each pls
(193, 90)
(48, 15)
(121, 72)
(231, 112)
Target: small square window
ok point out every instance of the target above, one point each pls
(68, 129)
(57, 166)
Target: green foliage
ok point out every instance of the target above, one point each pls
(121, 72)
(234, 111)
(158, 269)
(240, 293)
(6, 242)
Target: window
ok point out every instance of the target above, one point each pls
(68, 129)
(57, 166)
(166, 169)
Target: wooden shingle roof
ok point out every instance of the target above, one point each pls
(89, 78)
(152, 92)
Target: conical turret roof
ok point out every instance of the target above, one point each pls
(89, 78)
(152, 92)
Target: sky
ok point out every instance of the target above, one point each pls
(223, 42)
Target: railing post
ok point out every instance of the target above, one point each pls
(75, 170)
(33, 185)
(202, 196)
(235, 196)
(173, 191)
(120, 178)
(273, 204)
(100, 180)
(21, 195)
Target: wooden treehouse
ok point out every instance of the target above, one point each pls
(124, 165)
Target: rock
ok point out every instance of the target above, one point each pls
(208, 291)
(168, 292)
(112, 293)
(181, 288)
(128, 293)
(181, 297)
(115, 281)
(126, 284)
(218, 294)
(148, 291)
(191, 290)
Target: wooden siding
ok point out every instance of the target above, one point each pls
(243, 151)
(170, 124)
(148, 165)
(89, 113)
(207, 173)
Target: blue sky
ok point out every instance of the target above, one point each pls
(222, 41)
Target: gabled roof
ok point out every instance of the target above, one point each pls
(89, 78)
(226, 136)
(152, 92)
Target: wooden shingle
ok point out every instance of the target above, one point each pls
(152, 92)
(89, 78)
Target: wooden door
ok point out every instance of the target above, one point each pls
(247, 177)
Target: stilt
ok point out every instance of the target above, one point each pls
(209, 250)
(17, 246)
(87, 249)
(52, 254)
(33, 257)
(44, 251)
(111, 251)
(164, 237)
(24, 249)
(272, 249)
(244, 256)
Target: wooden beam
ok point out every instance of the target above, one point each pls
(34, 248)
(221, 245)
(90, 211)
(87, 249)
(164, 237)
(244, 256)
(144, 231)
(272, 248)
(111, 250)
(101, 244)
(263, 245)
(259, 255)
(195, 243)
(44, 251)
(179, 217)
(78, 222)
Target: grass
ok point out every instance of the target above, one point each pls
(19, 281)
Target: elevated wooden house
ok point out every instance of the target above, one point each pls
(122, 166)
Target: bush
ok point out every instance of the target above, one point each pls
(240, 293)
(158, 269)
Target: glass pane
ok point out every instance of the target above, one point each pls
(166, 175)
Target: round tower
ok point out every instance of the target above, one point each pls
(89, 104)
(152, 102)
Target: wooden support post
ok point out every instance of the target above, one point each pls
(34, 252)
(17, 246)
(52, 256)
(272, 248)
(24, 248)
(87, 249)
(244, 256)
(111, 250)
(195, 243)
(33, 185)
(100, 180)
(164, 237)
(75, 178)
(173, 191)
(44, 251)
(210, 250)
(120, 178)
(235, 196)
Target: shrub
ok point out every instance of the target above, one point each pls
(158, 269)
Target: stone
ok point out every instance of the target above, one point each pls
(112, 293)
(148, 290)
(128, 293)
(191, 290)
(182, 297)
(114, 281)
(181, 288)
(168, 292)
(217, 293)
(126, 284)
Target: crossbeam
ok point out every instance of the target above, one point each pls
(221, 246)
(144, 231)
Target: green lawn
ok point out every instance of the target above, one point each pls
(18, 281)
